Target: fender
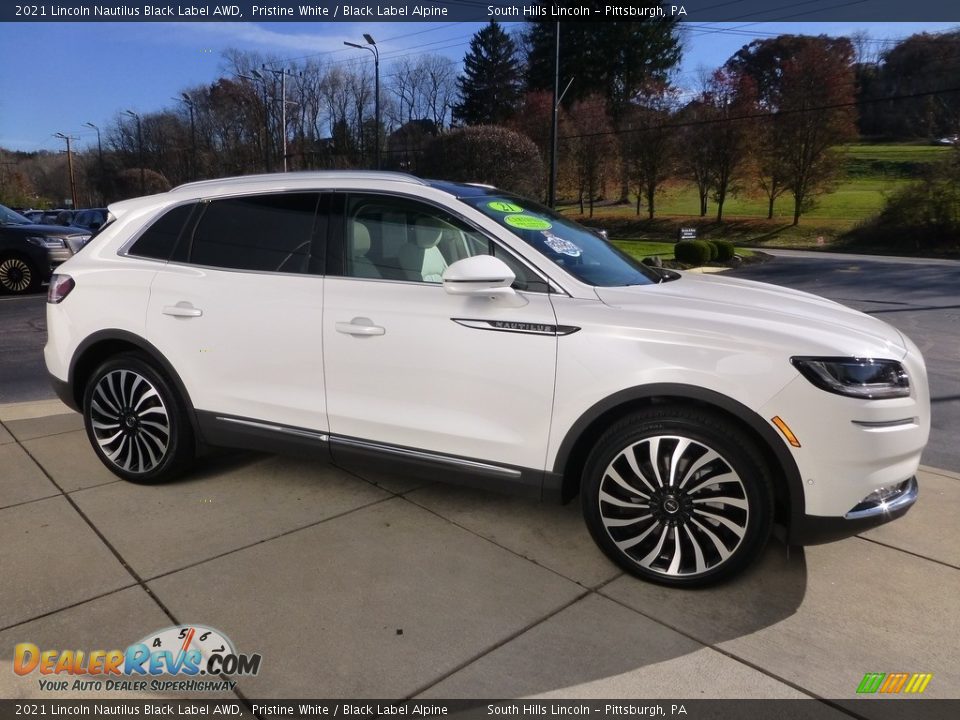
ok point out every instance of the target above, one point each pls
(788, 466)
(141, 344)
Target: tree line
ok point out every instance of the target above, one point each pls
(765, 122)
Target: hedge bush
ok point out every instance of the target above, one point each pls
(692, 252)
(712, 246)
(725, 250)
(485, 154)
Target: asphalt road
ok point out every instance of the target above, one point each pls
(23, 333)
(920, 297)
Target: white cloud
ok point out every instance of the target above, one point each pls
(260, 37)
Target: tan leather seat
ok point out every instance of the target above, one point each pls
(361, 266)
(421, 259)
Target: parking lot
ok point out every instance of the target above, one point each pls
(381, 586)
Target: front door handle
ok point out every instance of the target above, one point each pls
(182, 309)
(360, 326)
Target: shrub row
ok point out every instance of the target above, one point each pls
(700, 252)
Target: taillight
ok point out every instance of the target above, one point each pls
(60, 287)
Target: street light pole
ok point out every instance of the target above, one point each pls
(143, 180)
(73, 184)
(372, 47)
(99, 161)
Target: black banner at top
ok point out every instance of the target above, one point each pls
(747, 11)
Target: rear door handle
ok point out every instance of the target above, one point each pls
(360, 326)
(182, 309)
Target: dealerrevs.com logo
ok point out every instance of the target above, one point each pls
(191, 658)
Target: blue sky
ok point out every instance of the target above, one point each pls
(54, 77)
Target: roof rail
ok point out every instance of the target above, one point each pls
(307, 175)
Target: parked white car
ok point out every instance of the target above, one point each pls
(468, 335)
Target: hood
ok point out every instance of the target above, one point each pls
(806, 324)
(47, 230)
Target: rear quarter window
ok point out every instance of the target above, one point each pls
(159, 240)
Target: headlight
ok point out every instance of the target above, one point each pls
(50, 243)
(855, 377)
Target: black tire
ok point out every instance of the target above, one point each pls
(18, 275)
(136, 421)
(698, 516)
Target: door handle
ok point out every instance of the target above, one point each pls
(182, 309)
(360, 326)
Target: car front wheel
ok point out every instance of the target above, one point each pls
(18, 275)
(678, 496)
(136, 422)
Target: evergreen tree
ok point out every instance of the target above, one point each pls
(616, 59)
(490, 84)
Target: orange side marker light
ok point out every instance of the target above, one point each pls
(785, 429)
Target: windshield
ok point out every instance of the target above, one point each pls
(9, 217)
(579, 251)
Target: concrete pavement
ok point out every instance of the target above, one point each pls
(380, 587)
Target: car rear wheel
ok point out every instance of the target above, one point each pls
(18, 275)
(677, 496)
(136, 422)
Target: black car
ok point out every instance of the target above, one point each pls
(57, 217)
(29, 252)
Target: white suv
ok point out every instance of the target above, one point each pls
(468, 335)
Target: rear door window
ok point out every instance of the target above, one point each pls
(265, 233)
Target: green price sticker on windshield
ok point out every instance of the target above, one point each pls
(504, 207)
(527, 222)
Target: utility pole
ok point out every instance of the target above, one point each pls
(283, 116)
(99, 163)
(283, 72)
(73, 185)
(192, 165)
(143, 181)
(552, 190)
(255, 76)
(3, 176)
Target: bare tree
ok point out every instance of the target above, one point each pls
(650, 145)
(439, 88)
(817, 114)
(595, 147)
(730, 135)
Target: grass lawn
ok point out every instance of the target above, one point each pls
(872, 172)
(641, 249)
(854, 199)
(911, 152)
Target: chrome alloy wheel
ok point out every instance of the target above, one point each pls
(15, 274)
(673, 506)
(130, 421)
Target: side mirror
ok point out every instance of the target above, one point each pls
(481, 275)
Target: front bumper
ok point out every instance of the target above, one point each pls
(816, 529)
